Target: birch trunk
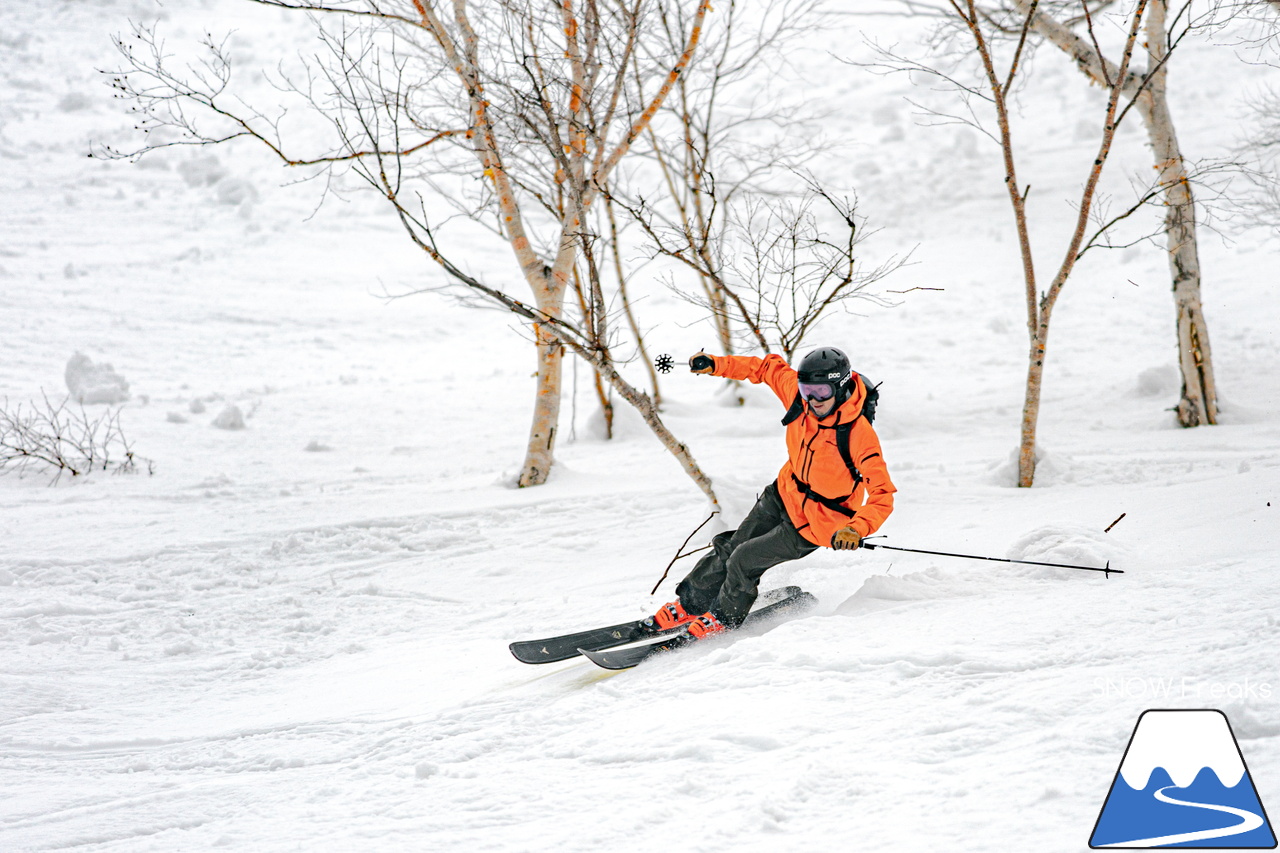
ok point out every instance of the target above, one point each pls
(1043, 312)
(1198, 404)
(1031, 405)
(549, 290)
(540, 452)
(1036, 322)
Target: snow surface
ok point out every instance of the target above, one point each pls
(265, 647)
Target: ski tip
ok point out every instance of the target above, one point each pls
(601, 659)
(623, 658)
(535, 653)
(518, 652)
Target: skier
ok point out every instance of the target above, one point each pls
(833, 490)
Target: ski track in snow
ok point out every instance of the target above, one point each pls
(293, 636)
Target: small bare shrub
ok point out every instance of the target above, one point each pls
(53, 438)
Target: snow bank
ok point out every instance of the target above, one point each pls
(230, 418)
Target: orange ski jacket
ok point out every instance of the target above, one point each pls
(819, 491)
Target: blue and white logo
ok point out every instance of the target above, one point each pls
(1183, 783)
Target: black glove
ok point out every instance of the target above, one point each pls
(702, 363)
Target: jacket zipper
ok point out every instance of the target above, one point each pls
(807, 467)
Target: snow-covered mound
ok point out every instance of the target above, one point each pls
(231, 418)
(1070, 545)
(90, 382)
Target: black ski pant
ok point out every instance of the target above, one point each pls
(726, 578)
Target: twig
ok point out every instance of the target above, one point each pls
(680, 551)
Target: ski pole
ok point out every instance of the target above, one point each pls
(1107, 570)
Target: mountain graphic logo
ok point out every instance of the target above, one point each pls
(1183, 783)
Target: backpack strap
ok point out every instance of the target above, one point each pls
(796, 410)
(835, 504)
(844, 433)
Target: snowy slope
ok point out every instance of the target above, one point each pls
(269, 647)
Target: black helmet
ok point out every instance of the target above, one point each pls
(826, 366)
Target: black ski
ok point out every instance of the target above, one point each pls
(626, 658)
(567, 646)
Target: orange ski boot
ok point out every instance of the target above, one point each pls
(671, 615)
(706, 625)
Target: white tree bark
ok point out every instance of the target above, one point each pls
(540, 451)
(1199, 404)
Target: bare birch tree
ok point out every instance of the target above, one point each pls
(769, 250)
(720, 126)
(517, 111)
(1149, 90)
(724, 132)
(981, 29)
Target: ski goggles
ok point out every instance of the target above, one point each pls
(817, 392)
